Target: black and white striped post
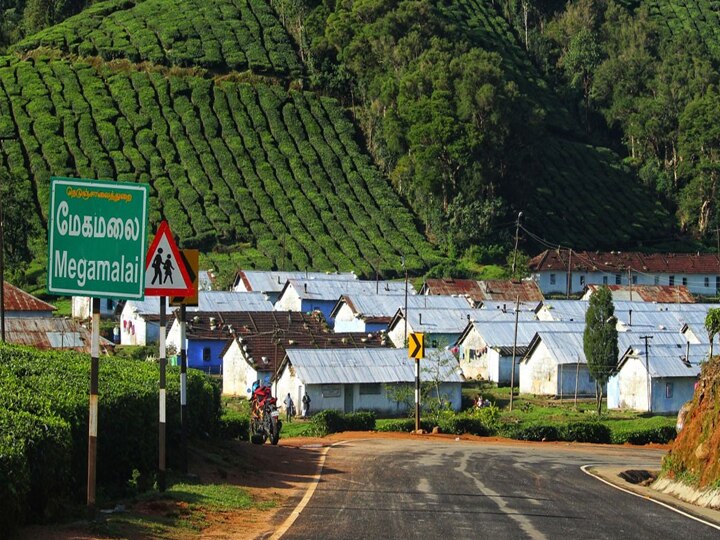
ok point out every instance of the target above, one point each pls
(93, 416)
(183, 391)
(163, 402)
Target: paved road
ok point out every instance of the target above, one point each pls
(429, 489)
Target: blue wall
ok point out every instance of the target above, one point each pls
(683, 389)
(195, 354)
(325, 306)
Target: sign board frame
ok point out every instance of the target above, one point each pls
(97, 228)
(416, 345)
(187, 290)
(191, 259)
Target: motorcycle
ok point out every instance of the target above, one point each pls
(265, 420)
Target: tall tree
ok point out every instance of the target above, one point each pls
(712, 325)
(600, 340)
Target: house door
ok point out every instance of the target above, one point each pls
(349, 390)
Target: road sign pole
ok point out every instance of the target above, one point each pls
(93, 416)
(417, 395)
(183, 391)
(163, 366)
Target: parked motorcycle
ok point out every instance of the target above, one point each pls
(265, 419)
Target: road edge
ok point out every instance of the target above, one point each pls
(699, 514)
(283, 528)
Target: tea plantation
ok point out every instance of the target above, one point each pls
(44, 426)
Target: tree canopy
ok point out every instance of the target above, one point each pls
(600, 339)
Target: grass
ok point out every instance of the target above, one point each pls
(296, 428)
(63, 305)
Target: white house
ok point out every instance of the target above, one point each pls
(555, 365)
(485, 348)
(556, 271)
(81, 307)
(359, 379)
(271, 283)
(322, 295)
(374, 312)
(140, 321)
(660, 383)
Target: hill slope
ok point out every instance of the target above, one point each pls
(275, 177)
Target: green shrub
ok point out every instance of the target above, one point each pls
(326, 422)
(359, 421)
(531, 432)
(660, 434)
(233, 425)
(14, 482)
(590, 432)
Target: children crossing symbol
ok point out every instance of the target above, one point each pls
(165, 272)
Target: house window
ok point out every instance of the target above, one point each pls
(582, 281)
(372, 389)
(668, 390)
(684, 282)
(552, 279)
(618, 279)
(717, 284)
(330, 390)
(634, 280)
(109, 304)
(206, 354)
(671, 280)
(707, 282)
(434, 343)
(605, 280)
(657, 280)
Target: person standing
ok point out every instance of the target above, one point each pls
(306, 405)
(289, 408)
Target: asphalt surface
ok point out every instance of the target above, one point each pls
(455, 489)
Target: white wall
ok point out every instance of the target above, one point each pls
(289, 301)
(474, 364)
(346, 321)
(134, 330)
(397, 334)
(540, 374)
(629, 387)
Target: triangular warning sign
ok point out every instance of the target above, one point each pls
(165, 272)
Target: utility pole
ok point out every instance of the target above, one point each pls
(512, 371)
(630, 282)
(402, 261)
(517, 237)
(569, 274)
(647, 369)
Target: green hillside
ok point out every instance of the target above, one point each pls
(578, 194)
(222, 35)
(699, 18)
(270, 177)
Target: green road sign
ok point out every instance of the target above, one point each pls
(96, 238)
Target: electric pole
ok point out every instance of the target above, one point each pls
(517, 237)
(647, 369)
(512, 371)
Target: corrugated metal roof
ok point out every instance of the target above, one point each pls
(353, 366)
(274, 281)
(18, 300)
(565, 347)
(49, 333)
(632, 339)
(622, 305)
(374, 305)
(648, 293)
(619, 262)
(565, 310)
(216, 301)
(334, 289)
(450, 286)
(671, 366)
(502, 334)
(508, 290)
(492, 305)
(440, 321)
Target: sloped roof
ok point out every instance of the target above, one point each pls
(274, 281)
(370, 366)
(374, 305)
(450, 286)
(564, 347)
(18, 300)
(634, 339)
(218, 301)
(649, 293)
(440, 321)
(508, 290)
(566, 310)
(50, 333)
(530, 305)
(667, 361)
(616, 261)
(502, 333)
(325, 290)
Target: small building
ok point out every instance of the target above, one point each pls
(555, 365)
(259, 342)
(18, 303)
(52, 333)
(645, 293)
(322, 295)
(271, 283)
(562, 271)
(140, 321)
(364, 379)
(81, 307)
(374, 312)
(660, 383)
(442, 327)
